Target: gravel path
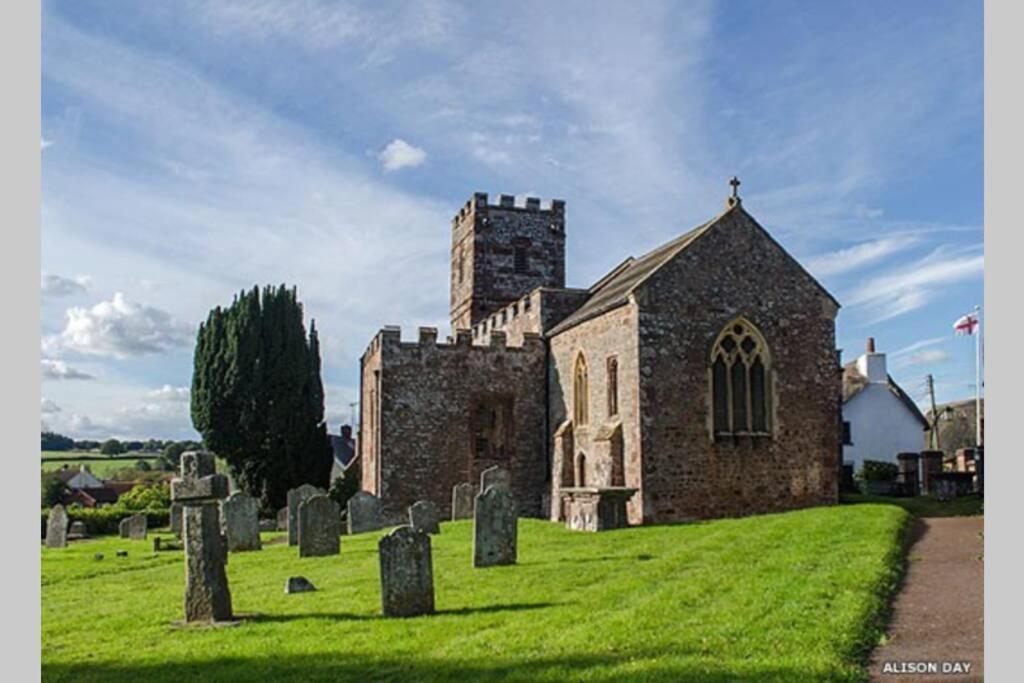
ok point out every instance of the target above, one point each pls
(938, 615)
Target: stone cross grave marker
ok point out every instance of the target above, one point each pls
(240, 514)
(295, 497)
(424, 516)
(57, 527)
(495, 476)
(406, 573)
(319, 527)
(363, 513)
(462, 501)
(494, 528)
(199, 490)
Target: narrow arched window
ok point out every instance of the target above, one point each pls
(613, 386)
(581, 392)
(740, 380)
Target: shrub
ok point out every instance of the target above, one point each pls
(146, 497)
(53, 489)
(106, 520)
(876, 470)
(112, 447)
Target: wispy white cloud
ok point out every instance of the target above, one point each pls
(851, 258)
(57, 286)
(400, 154)
(48, 406)
(45, 143)
(52, 368)
(171, 393)
(908, 287)
(924, 343)
(119, 328)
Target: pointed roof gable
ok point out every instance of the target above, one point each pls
(854, 382)
(614, 289)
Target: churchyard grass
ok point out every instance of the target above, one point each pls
(924, 506)
(787, 597)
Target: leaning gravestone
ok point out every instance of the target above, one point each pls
(319, 527)
(424, 516)
(406, 573)
(295, 497)
(282, 519)
(137, 527)
(199, 489)
(240, 514)
(363, 513)
(57, 527)
(494, 528)
(462, 501)
(176, 519)
(495, 476)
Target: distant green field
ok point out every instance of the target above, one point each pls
(101, 466)
(788, 597)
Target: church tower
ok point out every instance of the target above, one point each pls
(501, 252)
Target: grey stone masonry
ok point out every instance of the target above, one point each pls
(495, 475)
(136, 527)
(57, 527)
(462, 501)
(596, 508)
(78, 530)
(363, 513)
(122, 528)
(240, 516)
(424, 516)
(494, 528)
(319, 527)
(295, 497)
(406, 573)
(207, 597)
(176, 510)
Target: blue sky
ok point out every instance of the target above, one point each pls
(192, 149)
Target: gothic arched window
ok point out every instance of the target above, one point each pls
(740, 380)
(581, 392)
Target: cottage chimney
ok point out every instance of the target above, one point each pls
(872, 364)
(871, 344)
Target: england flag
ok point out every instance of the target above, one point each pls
(967, 324)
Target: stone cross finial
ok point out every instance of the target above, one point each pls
(735, 182)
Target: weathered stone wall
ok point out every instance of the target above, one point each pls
(537, 312)
(735, 269)
(419, 417)
(484, 277)
(611, 334)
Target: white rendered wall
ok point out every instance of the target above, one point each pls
(880, 427)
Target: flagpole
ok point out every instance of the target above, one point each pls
(977, 379)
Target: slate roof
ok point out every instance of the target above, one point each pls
(613, 289)
(854, 382)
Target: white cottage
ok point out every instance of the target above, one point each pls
(879, 419)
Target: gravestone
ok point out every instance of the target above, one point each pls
(122, 528)
(363, 513)
(295, 497)
(494, 528)
(462, 501)
(268, 525)
(495, 476)
(57, 527)
(319, 527)
(199, 490)
(78, 530)
(240, 513)
(298, 584)
(137, 527)
(176, 519)
(282, 519)
(424, 516)
(406, 573)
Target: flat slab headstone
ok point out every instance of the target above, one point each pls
(319, 527)
(462, 501)
(78, 530)
(406, 573)
(282, 519)
(136, 526)
(176, 510)
(57, 527)
(240, 514)
(495, 528)
(495, 476)
(268, 525)
(298, 584)
(424, 516)
(295, 497)
(363, 513)
(122, 528)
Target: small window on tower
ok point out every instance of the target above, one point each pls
(521, 262)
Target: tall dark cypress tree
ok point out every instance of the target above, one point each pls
(257, 396)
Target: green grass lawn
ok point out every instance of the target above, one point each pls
(787, 597)
(924, 506)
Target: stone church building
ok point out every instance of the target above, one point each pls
(703, 374)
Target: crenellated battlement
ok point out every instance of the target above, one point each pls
(390, 337)
(478, 205)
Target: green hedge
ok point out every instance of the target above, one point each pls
(876, 470)
(106, 520)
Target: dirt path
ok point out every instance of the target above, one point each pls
(938, 614)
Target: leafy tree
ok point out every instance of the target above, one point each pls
(170, 460)
(143, 465)
(257, 396)
(53, 489)
(112, 447)
(132, 446)
(86, 445)
(346, 485)
(51, 441)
